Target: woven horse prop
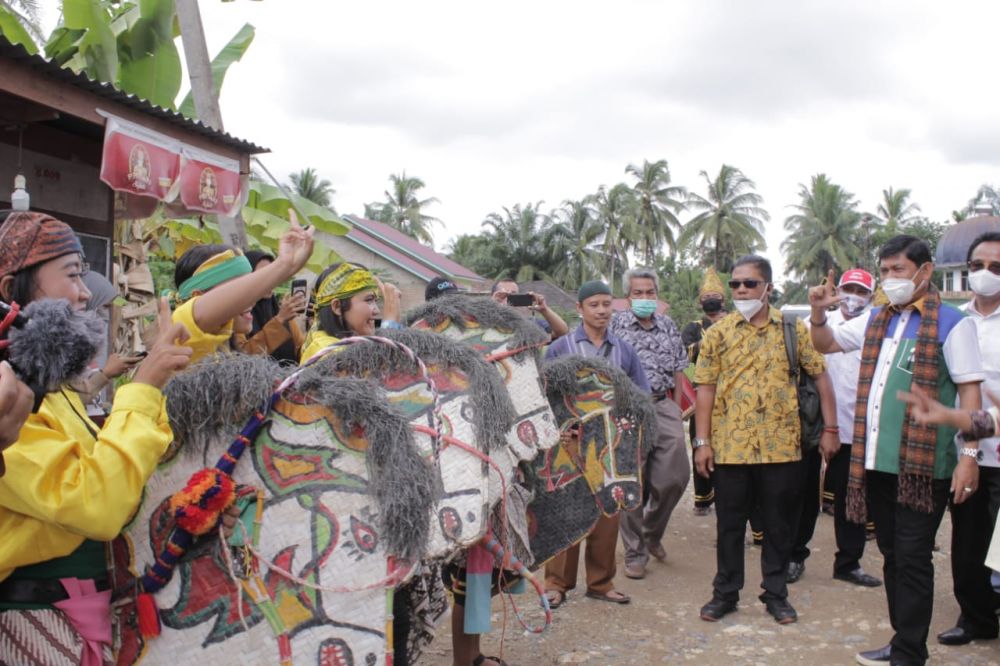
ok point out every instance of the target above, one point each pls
(598, 473)
(343, 493)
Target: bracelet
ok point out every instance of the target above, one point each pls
(819, 325)
(834, 429)
(975, 454)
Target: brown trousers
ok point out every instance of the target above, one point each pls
(599, 560)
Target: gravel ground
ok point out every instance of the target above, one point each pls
(661, 625)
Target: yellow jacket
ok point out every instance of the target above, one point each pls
(68, 480)
(202, 343)
(315, 341)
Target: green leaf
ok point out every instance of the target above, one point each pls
(63, 44)
(269, 199)
(99, 41)
(11, 28)
(230, 53)
(151, 68)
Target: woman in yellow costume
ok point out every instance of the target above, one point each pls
(71, 485)
(218, 288)
(345, 302)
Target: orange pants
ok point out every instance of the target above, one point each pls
(599, 560)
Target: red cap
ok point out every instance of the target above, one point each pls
(858, 277)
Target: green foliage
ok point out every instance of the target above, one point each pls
(307, 184)
(518, 243)
(12, 28)
(657, 204)
(403, 209)
(822, 235)
(231, 53)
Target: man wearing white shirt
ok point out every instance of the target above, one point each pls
(973, 521)
(903, 473)
(855, 288)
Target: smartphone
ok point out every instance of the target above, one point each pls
(520, 300)
(299, 286)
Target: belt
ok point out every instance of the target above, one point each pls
(39, 590)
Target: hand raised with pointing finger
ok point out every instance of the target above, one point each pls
(168, 354)
(824, 295)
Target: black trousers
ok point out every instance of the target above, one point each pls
(850, 536)
(704, 493)
(972, 526)
(906, 539)
(773, 489)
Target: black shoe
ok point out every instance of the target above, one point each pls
(781, 611)
(961, 636)
(716, 609)
(859, 577)
(874, 657)
(795, 571)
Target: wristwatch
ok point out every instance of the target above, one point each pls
(975, 454)
(699, 442)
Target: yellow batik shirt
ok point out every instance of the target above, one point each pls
(755, 416)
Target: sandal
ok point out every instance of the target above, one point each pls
(612, 596)
(482, 659)
(556, 598)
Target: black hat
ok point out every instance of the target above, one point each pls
(439, 286)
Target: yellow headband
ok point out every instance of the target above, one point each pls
(344, 282)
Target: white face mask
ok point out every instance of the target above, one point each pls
(853, 305)
(984, 283)
(900, 291)
(751, 306)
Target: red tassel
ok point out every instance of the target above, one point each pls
(149, 616)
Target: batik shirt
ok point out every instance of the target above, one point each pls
(755, 416)
(959, 362)
(659, 347)
(988, 329)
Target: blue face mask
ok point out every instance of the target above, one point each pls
(643, 307)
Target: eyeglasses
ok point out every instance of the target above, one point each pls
(749, 284)
(977, 265)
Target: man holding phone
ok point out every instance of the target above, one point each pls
(507, 292)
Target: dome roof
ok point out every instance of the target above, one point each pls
(953, 248)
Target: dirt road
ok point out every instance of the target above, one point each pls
(661, 625)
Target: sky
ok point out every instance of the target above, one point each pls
(493, 104)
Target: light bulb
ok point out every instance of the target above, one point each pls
(19, 199)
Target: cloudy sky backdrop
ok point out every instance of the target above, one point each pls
(493, 104)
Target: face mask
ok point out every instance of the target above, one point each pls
(854, 305)
(712, 305)
(899, 291)
(751, 306)
(984, 283)
(643, 307)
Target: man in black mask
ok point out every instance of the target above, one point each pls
(711, 296)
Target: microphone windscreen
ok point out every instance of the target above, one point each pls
(55, 345)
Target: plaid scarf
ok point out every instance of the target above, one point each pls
(918, 443)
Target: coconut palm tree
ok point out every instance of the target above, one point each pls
(572, 241)
(823, 232)
(896, 211)
(731, 221)
(403, 209)
(657, 205)
(518, 241)
(616, 212)
(306, 184)
(471, 251)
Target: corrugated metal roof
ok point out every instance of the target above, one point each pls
(52, 70)
(414, 252)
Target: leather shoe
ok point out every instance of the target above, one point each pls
(859, 577)
(635, 571)
(795, 571)
(781, 611)
(657, 550)
(874, 657)
(716, 609)
(961, 636)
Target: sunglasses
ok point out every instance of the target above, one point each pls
(977, 265)
(749, 284)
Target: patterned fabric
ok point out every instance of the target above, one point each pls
(659, 347)
(345, 281)
(29, 239)
(618, 352)
(918, 443)
(41, 638)
(755, 417)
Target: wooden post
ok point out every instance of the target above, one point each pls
(206, 104)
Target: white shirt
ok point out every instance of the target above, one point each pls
(843, 369)
(988, 329)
